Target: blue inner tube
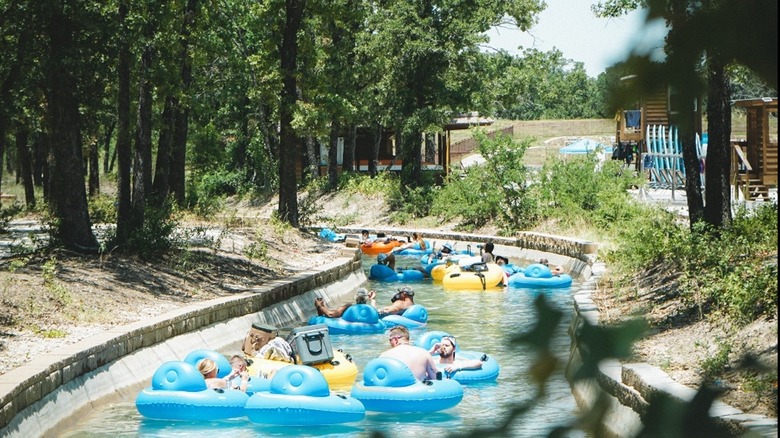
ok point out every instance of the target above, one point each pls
(538, 275)
(389, 386)
(299, 395)
(384, 273)
(364, 319)
(416, 250)
(179, 392)
(487, 373)
(357, 319)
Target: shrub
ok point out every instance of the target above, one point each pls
(157, 236)
(733, 270)
(102, 209)
(496, 190)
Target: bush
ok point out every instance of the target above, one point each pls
(733, 271)
(571, 189)
(157, 236)
(102, 209)
(496, 190)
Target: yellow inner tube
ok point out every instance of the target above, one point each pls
(340, 373)
(456, 278)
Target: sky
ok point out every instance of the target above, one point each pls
(571, 27)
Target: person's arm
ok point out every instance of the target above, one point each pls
(244, 381)
(430, 368)
(471, 364)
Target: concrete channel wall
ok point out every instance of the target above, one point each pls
(52, 390)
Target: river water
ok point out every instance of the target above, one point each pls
(480, 321)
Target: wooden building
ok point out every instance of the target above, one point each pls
(754, 160)
(653, 109)
(380, 145)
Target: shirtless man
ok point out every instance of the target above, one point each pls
(401, 301)
(446, 350)
(416, 358)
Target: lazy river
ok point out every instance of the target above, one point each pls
(479, 320)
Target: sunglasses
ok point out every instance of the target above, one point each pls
(394, 338)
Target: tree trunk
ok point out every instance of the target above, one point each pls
(411, 174)
(717, 208)
(288, 143)
(372, 170)
(2, 146)
(107, 145)
(161, 186)
(94, 168)
(68, 200)
(692, 178)
(142, 162)
(123, 152)
(333, 149)
(179, 156)
(348, 165)
(25, 165)
(41, 166)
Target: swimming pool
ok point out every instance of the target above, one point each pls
(479, 320)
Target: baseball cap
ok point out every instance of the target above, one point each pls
(447, 246)
(406, 290)
(381, 257)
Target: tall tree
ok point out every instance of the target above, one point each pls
(427, 47)
(68, 200)
(182, 113)
(123, 140)
(288, 139)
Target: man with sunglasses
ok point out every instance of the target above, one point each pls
(401, 301)
(416, 358)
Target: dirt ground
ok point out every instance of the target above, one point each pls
(56, 298)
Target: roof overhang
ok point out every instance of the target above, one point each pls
(466, 121)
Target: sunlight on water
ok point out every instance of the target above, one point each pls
(480, 321)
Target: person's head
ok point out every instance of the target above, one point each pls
(446, 248)
(361, 296)
(398, 335)
(415, 235)
(489, 247)
(501, 260)
(447, 347)
(544, 262)
(238, 363)
(208, 368)
(382, 259)
(364, 233)
(403, 293)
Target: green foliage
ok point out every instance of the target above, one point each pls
(733, 271)
(540, 85)
(206, 191)
(60, 293)
(496, 190)
(717, 363)
(102, 209)
(383, 184)
(570, 189)
(411, 202)
(157, 236)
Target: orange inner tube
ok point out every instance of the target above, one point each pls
(375, 248)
